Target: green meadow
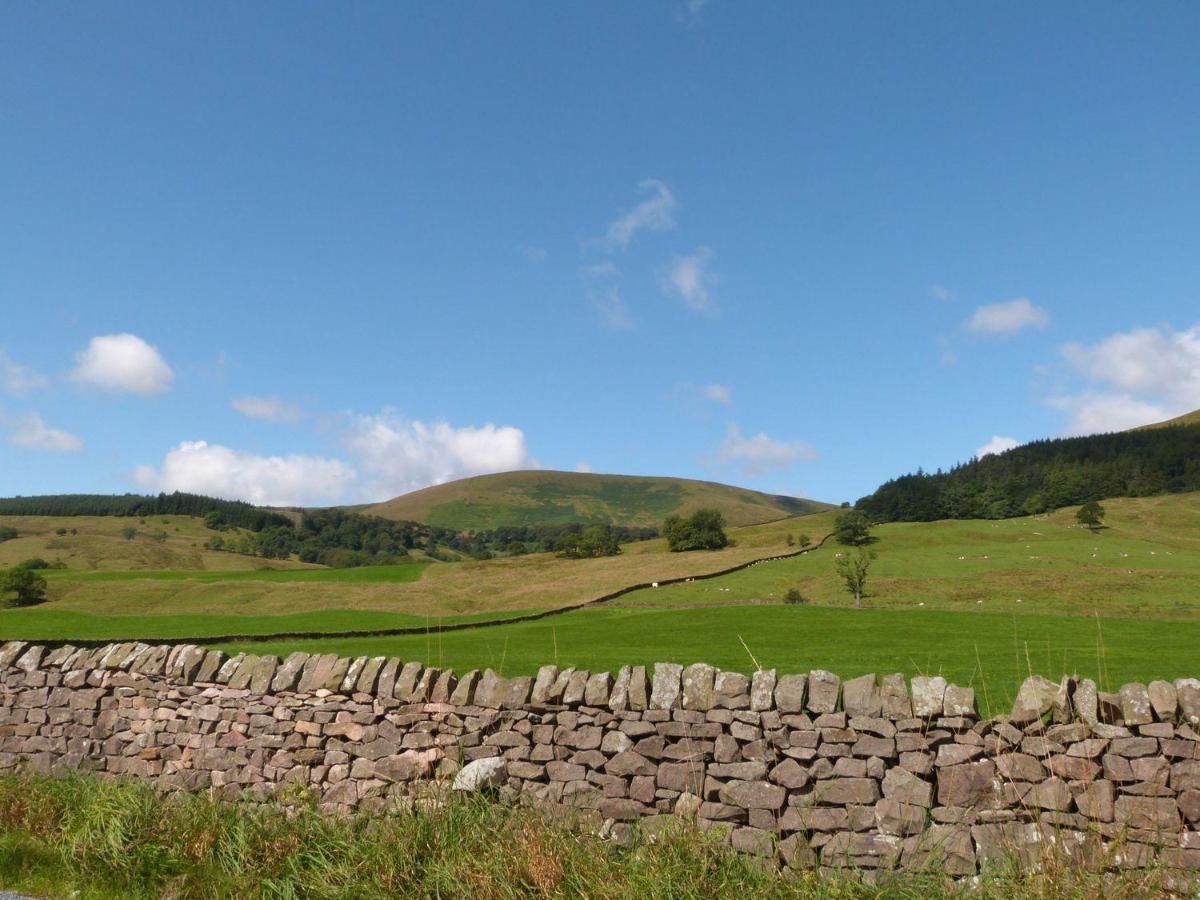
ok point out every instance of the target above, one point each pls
(990, 651)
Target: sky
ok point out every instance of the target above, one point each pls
(302, 253)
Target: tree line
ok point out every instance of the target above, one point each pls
(1045, 475)
(234, 513)
(334, 537)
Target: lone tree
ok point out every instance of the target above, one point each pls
(852, 528)
(703, 530)
(853, 568)
(27, 586)
(1090, 514)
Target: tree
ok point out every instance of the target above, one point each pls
(7, 533)
(853, 569)
(129, 532)
(28, 586)
(703, 530)
(852, 528)
(1090, 514)
(804, 540)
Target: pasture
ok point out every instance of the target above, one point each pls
(980, 602)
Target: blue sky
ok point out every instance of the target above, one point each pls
(313, 253)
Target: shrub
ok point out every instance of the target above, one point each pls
(793, 597)
(703, 530)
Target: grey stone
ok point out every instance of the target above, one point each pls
(1036, 697)
(481, 775)
(1163, 700)
(959, 701)
(1135, 704)
(575, 687)
(618, 698)
(824, 689)
(790, 693)
(667, 686)
(861, 696)
(894, 695)
(928, 696)
(288, 674)
(464, 692)
(639, 690)
(697, 681)
(406, 681)
(1187, 691)
(1087, 702)
(597, 689)
(490, 690)
(543, 685)
(731, 690)
(762, 690)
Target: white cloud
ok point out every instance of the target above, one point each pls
(940, 292)
(655, 213)
(1132, 378)
(267, 409)
(689, 277)
(397, 455)
(293, 480)
(718, 393)
(761, 453)
(17, 379)
(386, 455)
(614, 312)
(30, 432)
(1098, 413)
(997, 445)
(582, 466)
(123, 362)
(1007, 318)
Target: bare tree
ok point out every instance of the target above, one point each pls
(853, 568)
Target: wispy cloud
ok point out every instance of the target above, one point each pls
(718, 393)
(30, 432)
(943, 293)
(16, 379)
(123, 363)
(690, 11)
(268, 409)
(1007, 318)
(655, 213)
(613, 310)
(690, 278)
(760, 453)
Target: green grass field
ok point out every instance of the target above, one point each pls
(990, 651)
(981, 602)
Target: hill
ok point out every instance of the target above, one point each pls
(560, 498)
(1192, 418)
(1046, 475)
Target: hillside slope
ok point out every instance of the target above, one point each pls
(1192, 418)
(558, 498)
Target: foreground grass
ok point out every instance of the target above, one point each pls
(96, 839)
(989, 651)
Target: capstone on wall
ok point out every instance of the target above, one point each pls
(805, 768)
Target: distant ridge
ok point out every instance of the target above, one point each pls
(559, 498)
(1192, 418)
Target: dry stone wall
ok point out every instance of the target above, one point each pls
(804, 768)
